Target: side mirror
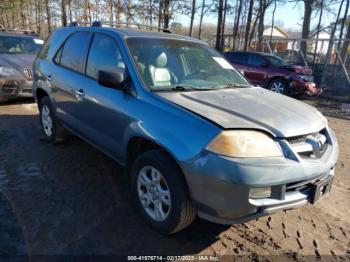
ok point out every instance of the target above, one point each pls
(113, 79)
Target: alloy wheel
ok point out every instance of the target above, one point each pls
(277, 87)
(154, 193)
(46, 120)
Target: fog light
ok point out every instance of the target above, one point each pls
(260, 192)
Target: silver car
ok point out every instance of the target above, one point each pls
(18, 50)
(193, 135)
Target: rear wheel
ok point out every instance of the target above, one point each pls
(51, 129)
(279, 86)
(160, 192)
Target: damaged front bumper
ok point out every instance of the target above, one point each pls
(221, 186)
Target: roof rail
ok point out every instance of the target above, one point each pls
(116, 25)
(72, 24)
(96, 24)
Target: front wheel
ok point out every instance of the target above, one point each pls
(279, 86)
(160, 192)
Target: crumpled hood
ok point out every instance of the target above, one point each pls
(253, 108)
(17, 61)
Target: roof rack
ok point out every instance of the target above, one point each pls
(123, 25)
(18, 31)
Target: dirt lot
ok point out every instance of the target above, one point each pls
(71, 199)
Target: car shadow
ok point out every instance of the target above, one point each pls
(71, 199)
(18, 100)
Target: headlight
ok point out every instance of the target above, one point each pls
(8, 71)
(244, 143)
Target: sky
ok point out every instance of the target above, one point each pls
(289, 14)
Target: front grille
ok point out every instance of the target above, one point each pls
(310, 146)
(28, 73)
(301, 185)
(9, 89)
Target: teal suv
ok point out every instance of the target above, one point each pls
(194, 136)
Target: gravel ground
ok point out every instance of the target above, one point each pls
(70, 199)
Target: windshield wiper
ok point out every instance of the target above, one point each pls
(180, 88)
(236, 86)
(183, 88)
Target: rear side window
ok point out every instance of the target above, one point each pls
(104, 55)
(72, 54)
(45, 49)
(239, 58)
(256, 60)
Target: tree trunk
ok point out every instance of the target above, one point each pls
(39, 29)
(247, 27)
(236, 24)
(23, 18)
(166, 13)
(344, 19)
(117, 11)
(48, 16)
(160, 14)
(345, 46)
(219, 26)
(193, 10)
(273, 23)
(262, 9)
(253, 28)
(111, 4)
(70, 11)
(63, 13)
(318, 33)
(201, 20)
(222, 43)
(306, 24)
(150, 12)
(330, 46)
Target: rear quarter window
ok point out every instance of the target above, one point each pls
(44, 51)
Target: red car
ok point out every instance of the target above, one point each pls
(273, 73)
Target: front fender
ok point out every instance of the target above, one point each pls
(180, 132)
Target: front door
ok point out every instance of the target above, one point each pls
(102, 109)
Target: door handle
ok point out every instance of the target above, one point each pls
(49, 78)
(79, 94)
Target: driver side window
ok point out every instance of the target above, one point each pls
(104, 55)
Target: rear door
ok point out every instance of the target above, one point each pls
(257, 71)
(67, 78)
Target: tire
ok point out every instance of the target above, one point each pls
(172, 189)
(52, 130)
(279, 86)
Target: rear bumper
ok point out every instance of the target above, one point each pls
(220, 186)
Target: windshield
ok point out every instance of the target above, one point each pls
(276, 61)
(167, 64)
(19, 45)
